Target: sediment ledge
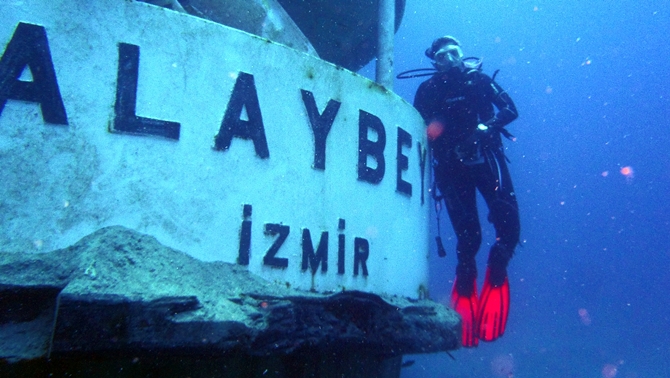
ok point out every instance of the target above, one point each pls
(119, 291)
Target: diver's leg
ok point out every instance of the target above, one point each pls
(493, 181)
(495, 185)
(459, 193)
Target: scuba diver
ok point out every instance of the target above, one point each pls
(457, 104)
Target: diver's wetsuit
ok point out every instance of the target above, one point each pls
(466, 158)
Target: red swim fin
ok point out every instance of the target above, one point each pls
(493, 310)
(467, 308)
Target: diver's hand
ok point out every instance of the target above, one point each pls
(499, 129)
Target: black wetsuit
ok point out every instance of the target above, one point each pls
(466, 159)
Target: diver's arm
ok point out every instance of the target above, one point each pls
(420, 102)
(506, 108)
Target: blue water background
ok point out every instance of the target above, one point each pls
(590, 81)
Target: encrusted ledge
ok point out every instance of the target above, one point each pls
(118, 292)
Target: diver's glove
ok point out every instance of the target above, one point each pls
(490, 124)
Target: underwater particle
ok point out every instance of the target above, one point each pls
(605, 173)
(264, 305)
(609, 371)
(38, 243)
(628, 173)
(503, 366)
(548, 90)
(434, 130)
(584, 316)
(66, 203)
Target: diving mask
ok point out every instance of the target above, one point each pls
(448, 57)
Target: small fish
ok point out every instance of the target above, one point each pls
(407, 363)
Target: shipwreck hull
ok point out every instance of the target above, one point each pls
(226, 148)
